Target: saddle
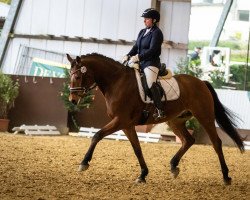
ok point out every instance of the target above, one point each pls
(166, 83)
(163, 72)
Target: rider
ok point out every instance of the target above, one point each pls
(147, 51)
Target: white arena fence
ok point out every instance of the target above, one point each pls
(45, 130)
(247, 145)
(89, 132)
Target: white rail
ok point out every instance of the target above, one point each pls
(119, 135)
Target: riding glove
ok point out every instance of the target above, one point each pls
(135, 58)
(125, 59)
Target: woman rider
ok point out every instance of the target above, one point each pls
(147, 51)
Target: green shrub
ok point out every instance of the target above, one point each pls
(193, 124)
(238, 56)
(233, 45)
(197, 43)
(184, 66)
(238, 76)
(217, 78)
(8, 93)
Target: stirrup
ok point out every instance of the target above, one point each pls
(159, 115)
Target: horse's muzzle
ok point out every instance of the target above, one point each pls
(74, 98)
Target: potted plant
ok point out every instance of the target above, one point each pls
(8, 93)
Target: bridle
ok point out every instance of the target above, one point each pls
(82, 89)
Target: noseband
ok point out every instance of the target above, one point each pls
(82, 89)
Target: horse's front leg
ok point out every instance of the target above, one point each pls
(106, 130)
(133, 138)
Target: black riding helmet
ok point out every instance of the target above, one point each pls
(151, 13)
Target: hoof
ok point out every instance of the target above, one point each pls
(140, 180)
(175, 172)
(227, 181)
(83, 167)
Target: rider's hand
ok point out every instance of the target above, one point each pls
(135, 58)
(125, 59)
(134, 65)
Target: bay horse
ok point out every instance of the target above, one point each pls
(124, 106)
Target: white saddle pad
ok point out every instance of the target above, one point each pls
(170, 86)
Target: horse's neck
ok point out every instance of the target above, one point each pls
(106, 75)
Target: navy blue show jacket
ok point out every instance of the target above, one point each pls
(148, 47)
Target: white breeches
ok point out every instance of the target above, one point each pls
(151, 73)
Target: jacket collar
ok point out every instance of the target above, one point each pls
(151, 30)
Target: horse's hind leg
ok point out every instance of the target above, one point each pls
(106, 130)
(217, 145)
(133, 138)
(187, 140)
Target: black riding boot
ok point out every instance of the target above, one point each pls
(156, 96)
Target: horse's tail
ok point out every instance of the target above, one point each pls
(226, 119)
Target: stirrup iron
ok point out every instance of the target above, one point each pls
(159, 115)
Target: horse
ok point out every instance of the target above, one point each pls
(124, 106)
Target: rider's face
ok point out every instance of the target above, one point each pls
(148, 22)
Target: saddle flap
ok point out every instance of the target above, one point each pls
(170, 88)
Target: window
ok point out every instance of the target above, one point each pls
(243, 15)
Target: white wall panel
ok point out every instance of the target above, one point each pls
(113, 19)
(57, 17)
(175, 21)
(166, 17)
(39, 44)
(172, 56)
(180, 22)
(72, 48)
(127, 23)
(74, 20)
(165, 58)
(40, 17)
(107, 50)
(87, 48)
(141, 6)
(175, 26)
(56, 46)
(23, 24)
(109, 19)
(122, 50)
(7, 68)
(92, 18)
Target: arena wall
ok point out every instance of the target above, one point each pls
(85, 26)
(39, 103)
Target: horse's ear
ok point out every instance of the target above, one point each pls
(69, 58)
(78, 59)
